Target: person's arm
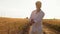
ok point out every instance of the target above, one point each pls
(31, 19)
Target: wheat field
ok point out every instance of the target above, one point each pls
(12, 25)
(16, 25)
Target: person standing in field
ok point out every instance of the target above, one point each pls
(36, 19)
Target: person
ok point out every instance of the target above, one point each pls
(36, 19)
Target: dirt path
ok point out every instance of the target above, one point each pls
(49, 30)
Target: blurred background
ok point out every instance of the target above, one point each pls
(15, 14)
(23, 8)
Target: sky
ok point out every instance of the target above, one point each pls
(23, 8)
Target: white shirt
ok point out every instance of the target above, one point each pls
(37, 17)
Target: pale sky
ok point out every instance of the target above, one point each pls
(23, 8)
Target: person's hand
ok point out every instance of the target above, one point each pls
(32, 22)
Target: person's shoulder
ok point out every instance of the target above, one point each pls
(33, 11)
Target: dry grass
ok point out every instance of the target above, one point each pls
(12, 25)
(52, 21)
(16, 25)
